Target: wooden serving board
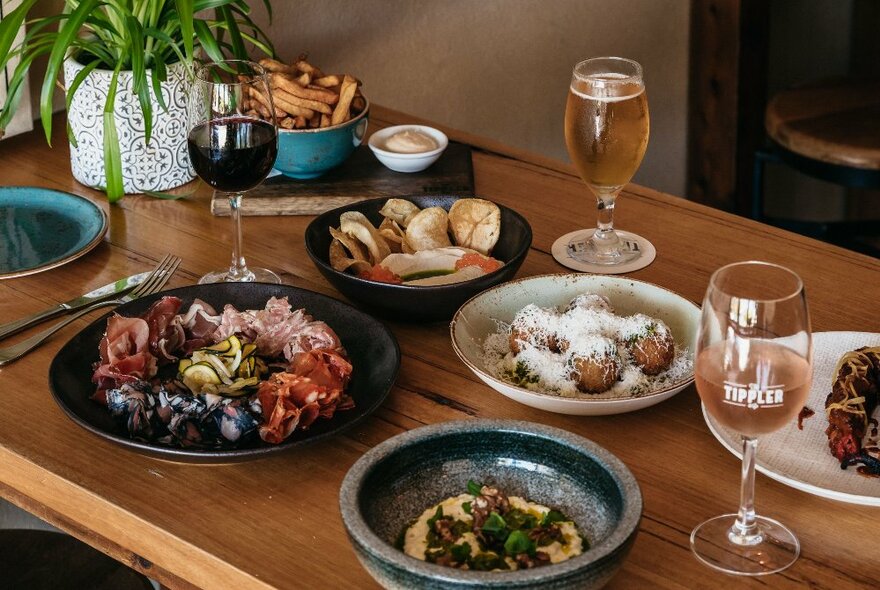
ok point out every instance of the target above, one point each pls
(361, 177)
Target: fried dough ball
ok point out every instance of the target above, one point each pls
(590, 301)
(536, 326)
(653, 348)
(594, 363)
(595, 374)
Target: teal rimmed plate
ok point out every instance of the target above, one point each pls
(42, 228)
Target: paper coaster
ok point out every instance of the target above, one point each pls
(566, 248)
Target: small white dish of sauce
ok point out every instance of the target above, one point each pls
(408, 148)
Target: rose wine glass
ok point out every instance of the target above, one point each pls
(232, 150)
(606, 133)
(753, 373)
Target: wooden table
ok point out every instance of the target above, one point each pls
(275, 522)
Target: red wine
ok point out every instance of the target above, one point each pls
(758, 398)
(233, 154)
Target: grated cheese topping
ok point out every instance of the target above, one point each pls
(588, 328)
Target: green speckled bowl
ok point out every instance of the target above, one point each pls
(395, 481)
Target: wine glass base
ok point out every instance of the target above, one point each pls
(256, 275)
(773, 550)
(573, 250)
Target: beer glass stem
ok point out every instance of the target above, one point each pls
(238, 270)
(745, 530)
(605, 203)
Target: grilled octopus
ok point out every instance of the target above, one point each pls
(854, 396)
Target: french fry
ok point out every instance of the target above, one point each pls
(273, 65)
(303, 66)
(305, 97)
(292, 87)
(326, 81)
(303, 79)
(253, 113)
(288, 102)
(346, 94)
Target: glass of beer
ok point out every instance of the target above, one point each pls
(753, 373)
(606, 133)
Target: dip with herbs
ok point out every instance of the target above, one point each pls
(486, 530)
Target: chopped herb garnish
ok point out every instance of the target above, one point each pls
(494, 524)
(460, 527)
(517, 519)
(438, 515)
(467, 508)
(460, 553)
(521, 375)
(485, 562)
(553, 516)
(474, 488)
(518, 542)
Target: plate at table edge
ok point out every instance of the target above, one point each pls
(583, 405)
(372, 349)
(822, 376)
(79, 249)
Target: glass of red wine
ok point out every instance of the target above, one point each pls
(230, 147)
(753, 373)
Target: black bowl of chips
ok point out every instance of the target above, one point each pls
(347, 252)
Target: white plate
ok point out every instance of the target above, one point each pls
(477, 318)
(801, 458)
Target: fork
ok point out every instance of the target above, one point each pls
(154, 282)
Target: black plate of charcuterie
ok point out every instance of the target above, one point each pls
(324, 369)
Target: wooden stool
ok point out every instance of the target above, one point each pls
(831, 131)
(37, 560)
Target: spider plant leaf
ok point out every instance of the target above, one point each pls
(207, 40)
(159, 75)
(238, 49)
(165, 38)
(9, 26)
(139, 74)
(66, 34)
(16, 86)
(71, 91)
(187, 26)
(112, 156)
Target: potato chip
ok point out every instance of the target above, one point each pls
(340, 261)
(475, 224)
(357, 250)
(399, 210)
(358, 226)
(428, 229)
(393, 234)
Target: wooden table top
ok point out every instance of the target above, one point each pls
(275, 522)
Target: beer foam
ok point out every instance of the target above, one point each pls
(601, 92)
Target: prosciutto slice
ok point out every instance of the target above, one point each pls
(164, 336)
(125, 353)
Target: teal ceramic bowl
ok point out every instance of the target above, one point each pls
(397, 480)
(309, 153)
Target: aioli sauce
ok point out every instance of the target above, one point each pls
(410, 141)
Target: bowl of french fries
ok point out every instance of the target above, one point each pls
(321, 117)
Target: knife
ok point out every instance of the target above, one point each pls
(111, 290)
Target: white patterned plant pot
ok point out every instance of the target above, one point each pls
(159, 165)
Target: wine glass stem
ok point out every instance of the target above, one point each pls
(745, 531)
(238, 270)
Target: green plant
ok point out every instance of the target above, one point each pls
(144, 36)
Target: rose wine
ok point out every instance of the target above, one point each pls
(606, 128)
(756, 391)
(233, 154)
